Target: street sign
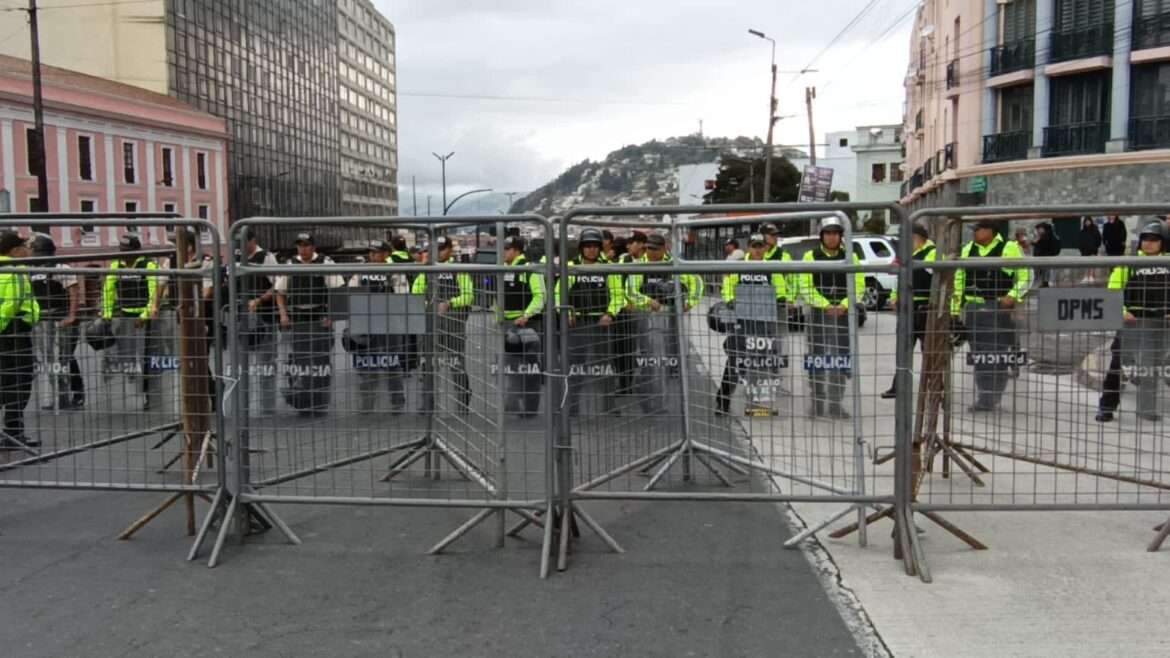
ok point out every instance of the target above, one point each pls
(1079, 309)
(978, 184)
(816, 184)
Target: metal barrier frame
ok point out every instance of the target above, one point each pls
(569, 495)
(904, 433)
(240, 498)
(16, 221)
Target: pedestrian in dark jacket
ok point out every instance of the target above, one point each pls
(1115, 237)
(1047, 244)
(1089, 241)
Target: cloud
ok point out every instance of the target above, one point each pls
(591, 77)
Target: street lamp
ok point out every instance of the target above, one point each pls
(443, 160)
(771, 117)
(447, 208)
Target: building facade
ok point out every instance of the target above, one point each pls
(1038, 101)
(369, 110)
(285, 75)
(879, 163)
(109, 147)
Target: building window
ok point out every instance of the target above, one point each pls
(169, 207)
(878, 172)
(896, 175)
(85, 157)
(168, 166)
(88, 205)
(34, 204)
(1150, 107)
(844, 142)
(131, 206)
(30, 142)
(129, 163)
(204, 211)
(201, 170)
(1016, 109)
(1078, 115)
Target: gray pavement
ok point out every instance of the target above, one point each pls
(697, 580)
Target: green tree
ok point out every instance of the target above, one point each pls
(742, 181)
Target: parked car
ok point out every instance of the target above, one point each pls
(870, 250)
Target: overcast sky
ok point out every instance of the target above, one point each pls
(520, 89)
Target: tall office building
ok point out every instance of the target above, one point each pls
(369, 110)
(306, 87)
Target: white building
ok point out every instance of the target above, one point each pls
(694, 181)
(836, 152)
(879, 163)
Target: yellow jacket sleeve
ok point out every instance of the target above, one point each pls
(617, 296)
(960, 281)
(1022, 275)
(419, 286)
(730, 281)
(536, 286)
(109, 292)
(153, 290)
(466, 291)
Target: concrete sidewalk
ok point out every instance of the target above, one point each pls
(1052, 583)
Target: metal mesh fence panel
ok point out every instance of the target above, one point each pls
(109, 385)
(384, 380)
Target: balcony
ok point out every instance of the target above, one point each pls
(1085, 42)
(1151, 31)
(951, 156)
(953, 74)
(905, 189)
(1005, 147)
(916, 179)
(1015, 56)
(939, 161)
(928, 169)
(1076, 138)
(1149, 133)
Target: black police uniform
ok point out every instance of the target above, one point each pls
(310, 359)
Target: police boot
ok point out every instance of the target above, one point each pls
(723, 400)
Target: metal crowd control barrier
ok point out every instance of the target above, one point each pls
(112, 387)
(642, 396)
(424, 372)
(1008, 397)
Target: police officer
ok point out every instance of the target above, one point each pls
(128, 303)
(625, 328)
(523, 310)
(19, 313)
(384, 354)
(924, 251)
(1144, 340)
(162, 331)
(594, 301)
(654, 293)
(827, 296)
(987, 297)
(453, 296)
(56, 336)
(258, 335)
(739, 359)
(302, 301)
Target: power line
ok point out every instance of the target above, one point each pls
(848, 26)
(536, 99)
(84, 5)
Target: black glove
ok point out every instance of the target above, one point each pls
(959, 333)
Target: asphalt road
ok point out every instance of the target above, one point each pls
(697, 579)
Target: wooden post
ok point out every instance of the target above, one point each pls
(194, 387)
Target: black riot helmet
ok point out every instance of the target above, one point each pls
(40, 244)
(590, 236)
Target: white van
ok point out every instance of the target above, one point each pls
(870, 250)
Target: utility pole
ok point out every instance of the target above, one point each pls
(700, 128)
(38, 113)
(771, 118)
(810, 94)
(414, 195)
(428, 205)
(443, 160)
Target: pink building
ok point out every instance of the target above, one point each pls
(110, 147)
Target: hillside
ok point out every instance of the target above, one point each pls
(635, 175)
